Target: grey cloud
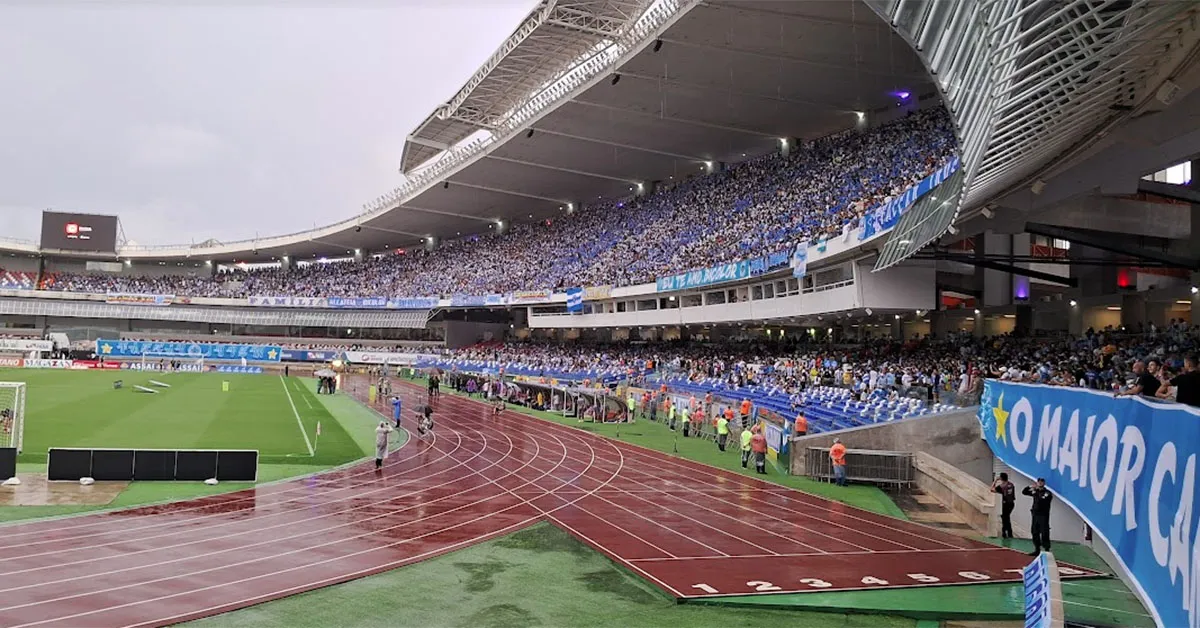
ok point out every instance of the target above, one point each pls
(220, 121)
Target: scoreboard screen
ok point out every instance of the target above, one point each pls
(79, 232)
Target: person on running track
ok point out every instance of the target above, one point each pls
(758, 444)
(381, 443)
(425, 420)
(397, 406)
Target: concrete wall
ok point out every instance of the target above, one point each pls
(954, 437)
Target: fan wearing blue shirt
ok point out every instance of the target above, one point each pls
(397, 405)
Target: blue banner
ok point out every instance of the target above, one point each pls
(307, 302)
(244, 370)
(575, 300)
(1038, 604)
(1127, 465)
(733, 271)
(186, 350)
(296, 355)
(886, 216)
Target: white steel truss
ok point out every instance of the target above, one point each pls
(1031, 83)
(546, 45)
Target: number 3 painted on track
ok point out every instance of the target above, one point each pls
(815, 583)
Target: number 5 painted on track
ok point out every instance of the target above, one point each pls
(705, 588)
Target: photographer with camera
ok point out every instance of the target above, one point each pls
(1039, 529)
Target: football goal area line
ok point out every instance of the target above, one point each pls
(296, 413)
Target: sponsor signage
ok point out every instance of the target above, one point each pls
(141, 299)
(887, 215)
(1127, 465)
(10, 363)
(1042, 589)
(733, 271)
(529, 296)
(22, 344)
(186, 350)
(295, 355)
(375, 357)
(47, 364)
(244, 370)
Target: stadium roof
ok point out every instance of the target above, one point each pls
(661, 89)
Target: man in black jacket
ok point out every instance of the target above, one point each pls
(1008, 500)
(1040, 509)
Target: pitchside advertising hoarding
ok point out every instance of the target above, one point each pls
(79, 232)
(1127, 465)
(186, 350)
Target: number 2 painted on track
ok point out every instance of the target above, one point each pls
(760, 585)
(705, 588)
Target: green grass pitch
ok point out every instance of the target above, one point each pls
(81, 409)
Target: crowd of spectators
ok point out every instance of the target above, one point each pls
(760, 206)
(951, 368)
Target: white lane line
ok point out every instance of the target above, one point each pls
(299, 423)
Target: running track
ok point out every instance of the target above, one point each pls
(691, 529)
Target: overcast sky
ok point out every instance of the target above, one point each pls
(210, 120)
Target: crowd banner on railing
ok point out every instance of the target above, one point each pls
(525, 297)
(463, 300)
(494, 299)
(308, 302)
(733, 271)
(128, 298)
(575, 300)
(597, 293)
(348, 303)
(886, 216)
(800, 260)
(24, 344)
(245, 370)
(186, 350)
(1126, 465)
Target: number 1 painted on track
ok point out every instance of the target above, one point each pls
(705, 588)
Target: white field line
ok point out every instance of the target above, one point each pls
(299, 423)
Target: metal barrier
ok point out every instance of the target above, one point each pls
(886, 468)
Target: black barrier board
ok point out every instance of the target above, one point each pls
(154, 464)
(237, 466)
(8, 462)
(111, 465)
(195, 465)
(69, 464)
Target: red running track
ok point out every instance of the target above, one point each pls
(692, 529)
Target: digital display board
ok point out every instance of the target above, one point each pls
(79, 232)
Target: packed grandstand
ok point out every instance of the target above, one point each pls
(764, 205)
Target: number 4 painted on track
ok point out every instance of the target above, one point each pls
(874, 580)
(705, 588)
